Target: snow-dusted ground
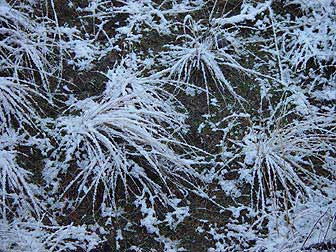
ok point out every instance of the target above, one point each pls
(174, 125)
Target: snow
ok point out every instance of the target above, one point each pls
(104, 115)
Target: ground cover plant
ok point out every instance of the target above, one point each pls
(174, 125)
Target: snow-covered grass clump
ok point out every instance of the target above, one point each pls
(123, 139)
(283, 159)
